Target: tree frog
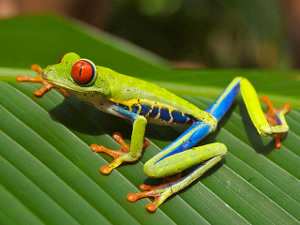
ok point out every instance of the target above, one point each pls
(141, 102)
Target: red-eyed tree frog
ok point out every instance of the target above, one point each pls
(141, 102)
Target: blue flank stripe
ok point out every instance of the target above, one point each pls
(154, 112)
(179, 117)
(145, 109)
(135, 108)
(201, 129)
(165, 114)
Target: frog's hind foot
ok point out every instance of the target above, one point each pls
(37, 79)
(119, 156)
(166, 182)
(276, 118)
(158, 192)
(157, 195)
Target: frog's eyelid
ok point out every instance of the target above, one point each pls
(94, 71)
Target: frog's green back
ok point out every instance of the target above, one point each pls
(125, 88)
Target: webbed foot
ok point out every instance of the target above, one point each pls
(47, 86)
(158, 192)
(119, 156)
(276, 117)
(37, 79)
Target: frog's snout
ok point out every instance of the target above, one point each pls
(48, 73)
(44, 75)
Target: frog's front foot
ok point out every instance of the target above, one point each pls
(120, 156)
(37, 79)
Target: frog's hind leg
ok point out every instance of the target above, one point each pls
(205, 156)
(272, 122)
(181, 154)
(276, 116)
(166, 181)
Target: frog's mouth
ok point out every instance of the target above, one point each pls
(50, 76)
(71, 87)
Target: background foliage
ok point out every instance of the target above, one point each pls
(190, 33)
(205, 32)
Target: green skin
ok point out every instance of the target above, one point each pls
(111, 87)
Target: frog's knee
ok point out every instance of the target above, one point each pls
(152, 171)
(238, 79)
(222, 149)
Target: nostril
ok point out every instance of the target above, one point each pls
(44, 75)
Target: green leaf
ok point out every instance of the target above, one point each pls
(48, 175)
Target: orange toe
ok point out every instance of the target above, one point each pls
(105, 169)
(151, 207)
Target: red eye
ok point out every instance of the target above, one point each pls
(83, 72)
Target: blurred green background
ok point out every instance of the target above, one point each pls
(190, 33)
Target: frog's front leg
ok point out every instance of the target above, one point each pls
(126, 153)
(37, 79)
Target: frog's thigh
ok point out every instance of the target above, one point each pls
(183, 160)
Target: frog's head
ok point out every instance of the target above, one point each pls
(76, 74)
